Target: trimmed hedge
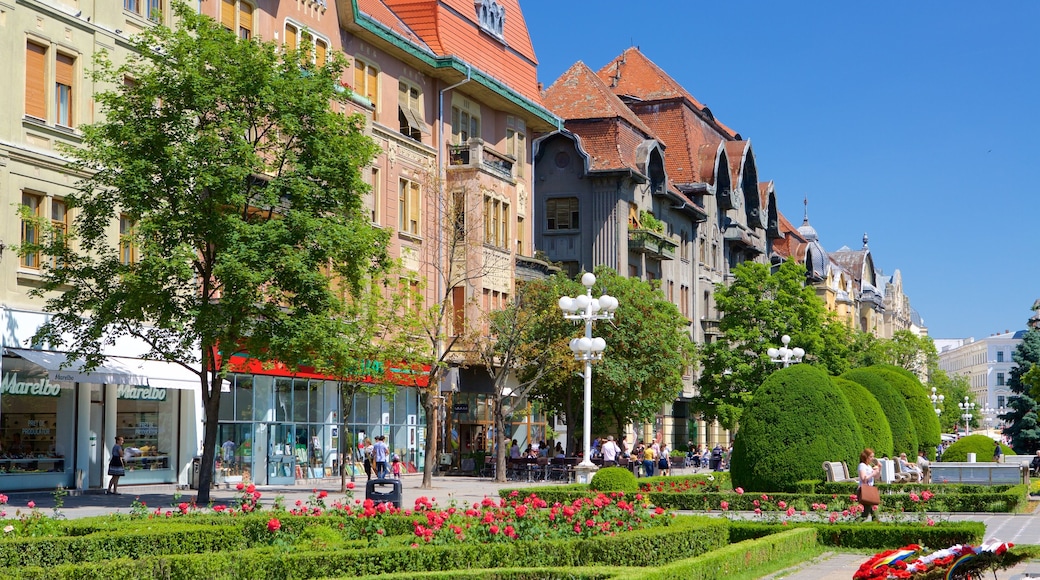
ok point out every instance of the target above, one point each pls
(981, 445)
(871, 418)
(648, 547)
(867, 535)
(796, 420)
(904, 434)
(917, 404)
(614, 479)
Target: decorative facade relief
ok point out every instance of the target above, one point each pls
(491, 16)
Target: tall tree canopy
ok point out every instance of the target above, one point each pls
(1024, 425)
(648, 351)
(758, 308)
(242, 191)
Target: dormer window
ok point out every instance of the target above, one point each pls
(491, 16)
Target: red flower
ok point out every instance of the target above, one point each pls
(273, 525)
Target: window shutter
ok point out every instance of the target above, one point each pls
(35, 83)
(64, 70)
(413, 210)
(371, 86)
(290, 37)
(320, 51)
(227, 14)
(245, 20)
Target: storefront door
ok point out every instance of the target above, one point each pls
(281, 458)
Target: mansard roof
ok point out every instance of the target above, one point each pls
(580, 94)
(447, 39)
(790, 244)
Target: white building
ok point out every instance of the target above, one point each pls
(986, 362)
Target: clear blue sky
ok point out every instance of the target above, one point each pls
(916, 122)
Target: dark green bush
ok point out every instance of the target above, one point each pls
(871, 419)
(614, 479)
(796, 420)
(875, 536)
(922, 413)
(981, 445)
(904, 434)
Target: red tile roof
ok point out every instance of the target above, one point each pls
(379, 12)
(451, 28)
(791, 244)
(580, 94)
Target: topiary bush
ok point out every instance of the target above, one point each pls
(981, 445)
(614, 479)
(922, 413)
(796, 420)
(904, 435)
(873, 424)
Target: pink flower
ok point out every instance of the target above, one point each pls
(32, 504)
(833, 518)
(781, 504)
(739, 490)
(273, 525)
(3, 498)
(758, 511)
(790, 512)
(914, 497)
(724, 505)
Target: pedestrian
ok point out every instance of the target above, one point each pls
(366, 457)
(116, 467)
(514, 450)
(610, 452)
(395, 468)
(662, 460)
(381, 455)
(997, 453)
(868, 470)
(649, 455)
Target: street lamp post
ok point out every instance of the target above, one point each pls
(786, 356)
(966, 409)
(937, 402)
(589, 349)
(988, 415)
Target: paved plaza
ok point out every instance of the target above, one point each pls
(1017, 528)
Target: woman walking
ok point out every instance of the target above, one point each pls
(116, 467)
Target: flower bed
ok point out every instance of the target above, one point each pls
(957, 561)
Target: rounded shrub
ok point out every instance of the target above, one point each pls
(873, 424)
(922, 413)
(981, 445)
(614, 479)
(797, 419)
(904, 435)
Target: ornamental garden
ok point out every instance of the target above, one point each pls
(769, 514)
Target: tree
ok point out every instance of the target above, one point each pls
(512, 342)
(1023, 423)
(904, 433)
(244, 194)
(905, 349)
(647, 352)
(953, 389)
(758, 308)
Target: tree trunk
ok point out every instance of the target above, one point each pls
(499, 444)
(428, 399)
(346, 404)
(211, 404)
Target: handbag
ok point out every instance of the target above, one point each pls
(869, 495)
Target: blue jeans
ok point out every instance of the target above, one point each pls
(648, 467)
(381, 470)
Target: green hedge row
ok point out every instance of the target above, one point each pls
(869, 535)
(649, 547)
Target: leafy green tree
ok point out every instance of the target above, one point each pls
(873, 424)
(758, 308)
(905, 349)
(953, 389)
(647, 352)
(244, 191)
(1023, 424)
(797, 420)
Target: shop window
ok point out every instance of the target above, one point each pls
(561, 213)
(146, 426)
(516, 142)
(35, 427)
(408, 214)
(30, 229)
(410, 110)
(36, 80)
(464, 124)
(366, 83)
(127, 247)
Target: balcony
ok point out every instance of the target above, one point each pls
(476, 155)
(655, 245)
(710, 326)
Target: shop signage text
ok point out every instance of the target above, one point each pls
(135, 393)
(36, 427)
(460, 408)
(42, 387)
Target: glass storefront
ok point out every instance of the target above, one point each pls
(397, 416)
(470, 427)
(36, 425)
(146, 418)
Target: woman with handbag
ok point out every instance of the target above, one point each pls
(868, 495)
(116, 467)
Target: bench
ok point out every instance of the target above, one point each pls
(837, 471)
(982, 473)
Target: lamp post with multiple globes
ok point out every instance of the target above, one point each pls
(786, 356)
(966, 414)
(937, 402)
(589, 349)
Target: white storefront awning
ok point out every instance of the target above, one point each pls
(114, 370)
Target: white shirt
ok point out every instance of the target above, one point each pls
(610, 451)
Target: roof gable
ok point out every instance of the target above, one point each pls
(580, 94)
